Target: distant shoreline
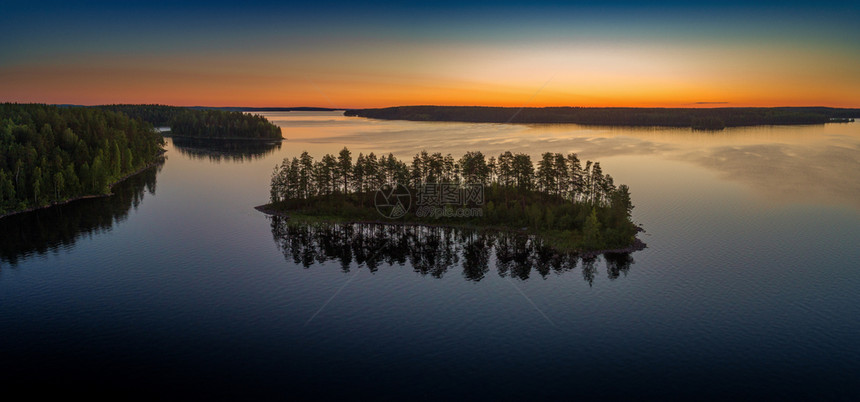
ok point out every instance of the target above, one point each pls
(695, 118)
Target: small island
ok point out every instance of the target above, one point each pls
(695, 118)
(571, 206)
(203, 123)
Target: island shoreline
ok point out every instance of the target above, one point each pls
(636, 246)
(160, 158)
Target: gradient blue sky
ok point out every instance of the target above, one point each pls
(363, 54)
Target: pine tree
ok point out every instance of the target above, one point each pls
(358, 174)
(306, 173)
(416, 176)
(574, 169)
(562, 175)
(546, 175)
(371, 171)
(506, 168)
(276, 186)
(294, 179)
(344, 163)
(596, 182)
(523, 171)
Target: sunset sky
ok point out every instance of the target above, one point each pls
(371, 54)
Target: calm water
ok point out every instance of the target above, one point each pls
(750, 284)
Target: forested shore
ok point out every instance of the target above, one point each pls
(696, 118)
(51, 155)
(46, 230)
(203, 123)
(572, 205)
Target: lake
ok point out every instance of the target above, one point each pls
(176, 286)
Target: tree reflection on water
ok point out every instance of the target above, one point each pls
(47, 230)
(217, 150)
(433, 251)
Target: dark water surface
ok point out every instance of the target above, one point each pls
(176, 286)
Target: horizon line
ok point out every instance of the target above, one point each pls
(695, 105)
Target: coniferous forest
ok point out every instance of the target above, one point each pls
(50, 154)
(571, 204)
(203, 123)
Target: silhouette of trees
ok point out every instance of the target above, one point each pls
(557, 175)
(344, 168)
(222, 124)
(578, 207)
(433, 251)
(202, 123)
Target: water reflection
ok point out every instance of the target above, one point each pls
(51, 229)
(433, 251)
(782, 164)
(216, 150)
(789, 172)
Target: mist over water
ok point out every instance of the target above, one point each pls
(749, 285)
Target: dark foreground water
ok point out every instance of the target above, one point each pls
(176, 287)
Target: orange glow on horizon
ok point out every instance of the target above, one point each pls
(565, 56)
(587, 77)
